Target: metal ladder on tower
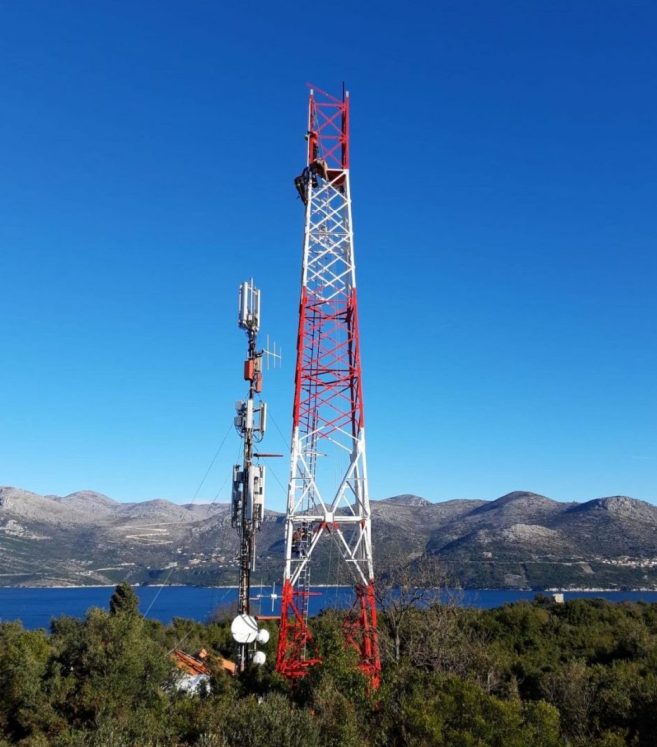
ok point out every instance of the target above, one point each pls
(303, 590)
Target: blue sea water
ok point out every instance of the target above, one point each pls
(35, 608)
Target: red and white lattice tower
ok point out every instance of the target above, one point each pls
(327, 493)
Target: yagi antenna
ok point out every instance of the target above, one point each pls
(273, 355)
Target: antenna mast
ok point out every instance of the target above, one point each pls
(327, 492)
(248, 495)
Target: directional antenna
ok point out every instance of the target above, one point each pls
(244, 629)
(249, 306)
(273, 355)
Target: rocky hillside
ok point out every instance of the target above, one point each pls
(519, 540)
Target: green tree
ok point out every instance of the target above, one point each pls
(273, 720)
(447, 711)
(25, 710)
(112, 671)
(124, 600)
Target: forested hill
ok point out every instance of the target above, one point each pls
(519, 540)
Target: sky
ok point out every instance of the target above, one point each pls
(504, 181)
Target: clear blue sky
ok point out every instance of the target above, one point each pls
(504, 162)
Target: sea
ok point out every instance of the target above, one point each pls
(36, 607)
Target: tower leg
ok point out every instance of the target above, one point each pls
(294, 636)
(360, 632)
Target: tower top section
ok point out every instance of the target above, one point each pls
(328, 129)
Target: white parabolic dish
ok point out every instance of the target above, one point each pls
(259, 658)
(244, 629)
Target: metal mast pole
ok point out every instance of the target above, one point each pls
(248, 478)
(327, 492)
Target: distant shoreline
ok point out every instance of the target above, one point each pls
(36, 607)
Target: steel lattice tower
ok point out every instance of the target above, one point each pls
(327, 491)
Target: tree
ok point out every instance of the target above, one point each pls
(113, 671)
(124, 600)
(271, 720)
(25, 712)
(422, 708)
(406, 587)
(569, 688)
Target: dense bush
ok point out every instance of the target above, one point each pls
(540, 674)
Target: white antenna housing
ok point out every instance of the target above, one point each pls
(249, 306)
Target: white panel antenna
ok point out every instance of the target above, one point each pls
(249, 306)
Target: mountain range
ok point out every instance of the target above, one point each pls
(521, 540)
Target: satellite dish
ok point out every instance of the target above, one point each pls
(244, 629)
(263, 636)
(259, 658)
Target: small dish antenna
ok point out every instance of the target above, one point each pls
(259, 658)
